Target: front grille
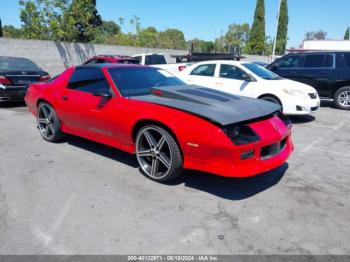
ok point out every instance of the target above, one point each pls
(313, 95)
(314, 108)
(271, 150)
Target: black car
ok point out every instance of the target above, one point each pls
(328, 72)
(16, 74)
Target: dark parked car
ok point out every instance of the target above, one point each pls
(16, 74)
(328, 72)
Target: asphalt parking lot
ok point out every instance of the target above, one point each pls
(78, 197)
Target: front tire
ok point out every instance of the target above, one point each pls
(342, 98)
(271, 99)
(158, 154)
(48, 123)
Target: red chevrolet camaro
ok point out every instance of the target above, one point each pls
(168, 125)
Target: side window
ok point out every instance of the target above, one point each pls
(232, 72)
(290, 62)
(204, 70)
(347, 59)
(329, 60)
(88, 80)
(314, 61)
(138, 58)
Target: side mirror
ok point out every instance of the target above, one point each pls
(102, 93)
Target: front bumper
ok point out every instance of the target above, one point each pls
(270, 152)
(12, 93)
(301, 106)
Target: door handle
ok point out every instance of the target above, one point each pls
(219, 83)
(65, 98)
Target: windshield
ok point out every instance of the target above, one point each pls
(138, 81)
(17, 64)
(261, 72)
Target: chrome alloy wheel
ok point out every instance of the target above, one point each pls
(46, 122)
(153, 152)
(344, 98)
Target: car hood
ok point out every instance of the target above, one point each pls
(215, 106)
(290, 84)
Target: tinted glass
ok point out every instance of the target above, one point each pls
(138, 58)
(155, 60)
(329, 60)
(347, 59)
(290, 62)
(204, 70)
(131, 61)
(232, 72)
(17, 64)
(139, 80)
(261, 71)
(314, 61)
(88, 80)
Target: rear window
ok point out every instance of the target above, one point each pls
(155, 60)
(17, 64)
(128, 61)
(139, 81)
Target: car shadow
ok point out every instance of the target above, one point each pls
(12, 104)
(328, 104)
(227, 188)
(231, 188)
(102, 150)
(302, 119)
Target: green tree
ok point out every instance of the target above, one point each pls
(148, 37)
(106, 32)
(32, 21)
(282, 32)
(201, 45)
(11, 32)
(172, 38)
(316, 35)
(347, 34)
(257, 34)
(80, 21)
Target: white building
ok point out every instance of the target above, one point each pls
(333, 45)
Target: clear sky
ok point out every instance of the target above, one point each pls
(206, 18)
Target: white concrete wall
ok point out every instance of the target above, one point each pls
(54, 57)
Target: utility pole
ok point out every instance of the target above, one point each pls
(275, 40)
(1, 34)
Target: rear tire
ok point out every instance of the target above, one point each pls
(158, 154)
(342, 98)
(48, 123)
